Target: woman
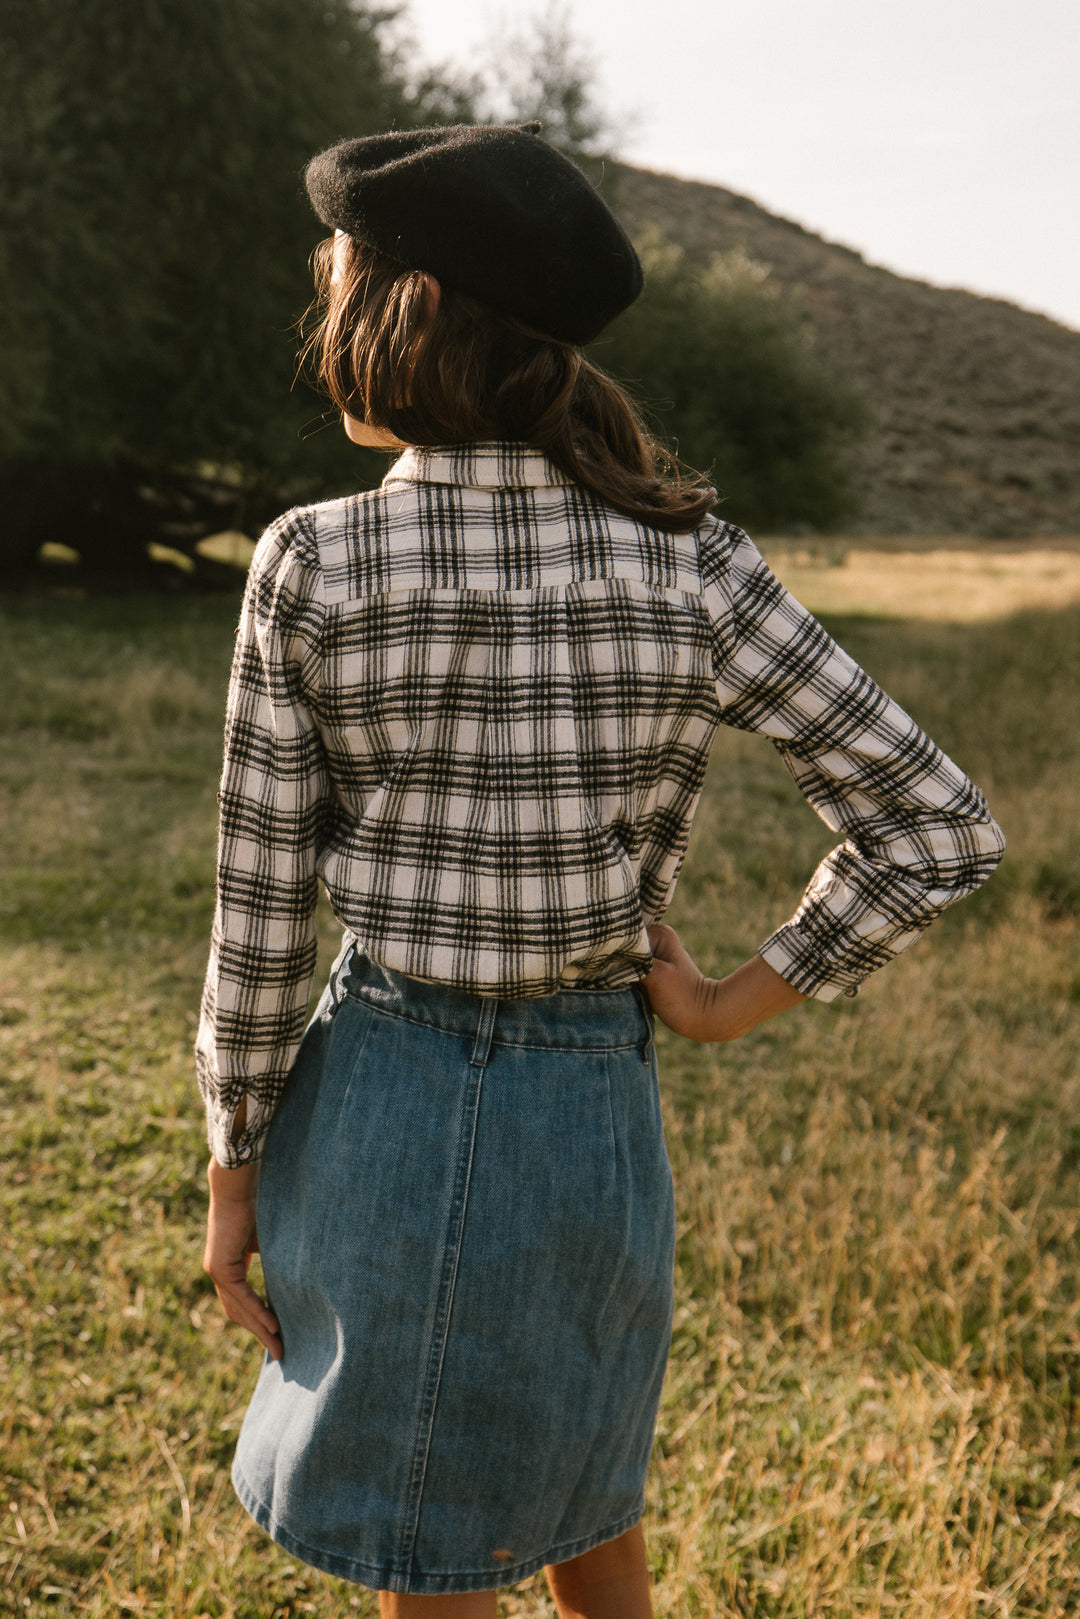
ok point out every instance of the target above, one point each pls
(477, 703)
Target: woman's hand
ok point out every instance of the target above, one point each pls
(707, 1009)
(231, 1239)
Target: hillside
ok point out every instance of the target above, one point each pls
(974, 403)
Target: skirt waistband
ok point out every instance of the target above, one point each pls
(572, 1020)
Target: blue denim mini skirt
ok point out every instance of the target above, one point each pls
(467, 1233)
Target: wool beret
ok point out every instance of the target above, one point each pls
(491, 210)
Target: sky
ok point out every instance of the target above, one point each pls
(941, 138)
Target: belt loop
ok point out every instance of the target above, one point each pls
(647, 1014)
(484, 1030)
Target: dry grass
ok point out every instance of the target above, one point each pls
(947, 583)
(874, 1391)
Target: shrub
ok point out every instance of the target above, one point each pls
(723, 362)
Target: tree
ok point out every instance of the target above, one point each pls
(722, 361)
(154, 226)
(154, 234)
(533, 70)
(539, 71)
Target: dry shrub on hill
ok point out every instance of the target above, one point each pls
(973, 403)
(719, 356)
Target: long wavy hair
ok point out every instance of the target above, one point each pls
(448, 371)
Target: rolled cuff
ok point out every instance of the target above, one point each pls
(798, 960)
(248, 1148)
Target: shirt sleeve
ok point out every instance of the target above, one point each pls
(917, 832)
(275, 802)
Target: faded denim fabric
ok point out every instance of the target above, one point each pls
(467, 1231)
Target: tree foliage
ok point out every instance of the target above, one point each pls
(539, 71)
(154, 237)
(154, 227)
(721, 361)
(533, 69)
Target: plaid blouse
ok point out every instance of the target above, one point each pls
(478, 705)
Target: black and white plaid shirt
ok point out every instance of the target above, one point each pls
(478, 705)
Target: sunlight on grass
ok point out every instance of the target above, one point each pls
(873, 1401)
(947, 585)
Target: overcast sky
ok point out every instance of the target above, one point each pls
(939, 137)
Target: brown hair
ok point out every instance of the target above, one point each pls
(437, 372)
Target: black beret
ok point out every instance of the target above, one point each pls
(491, 210)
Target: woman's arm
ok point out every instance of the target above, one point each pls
(917, 834)
(274, 789)
(708, 1009)
(276, 805)
(231, 1239)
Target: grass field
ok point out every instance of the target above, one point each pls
(874, 1394)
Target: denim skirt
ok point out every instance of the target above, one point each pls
(467, 1232)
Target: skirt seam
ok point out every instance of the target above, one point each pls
(443, 1309)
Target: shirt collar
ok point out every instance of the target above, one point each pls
(502, 465)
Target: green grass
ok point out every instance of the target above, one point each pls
(874, 1391)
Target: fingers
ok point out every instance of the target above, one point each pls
(673, 982)
(666, 949)
(660, 973)
(243, 1305)
(231, 1239)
